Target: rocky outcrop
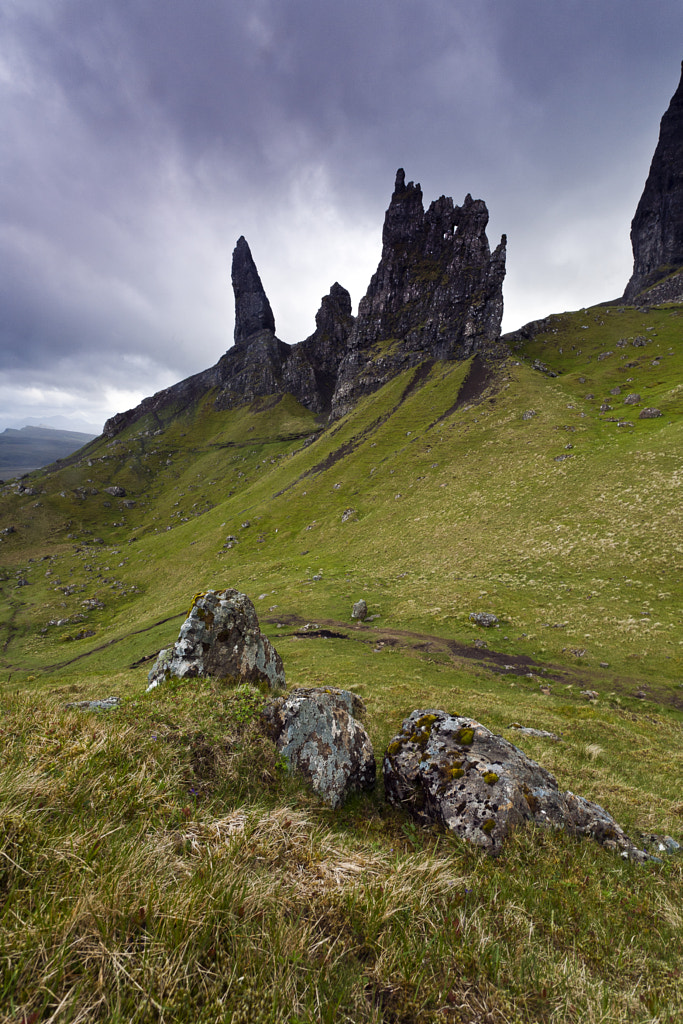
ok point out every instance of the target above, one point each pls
(252, 309)
(436, 294)
(220, 638)
(657, 227)
(451, 770)
(317, 732)
(327, 346)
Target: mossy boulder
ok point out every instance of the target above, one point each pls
(454, 772)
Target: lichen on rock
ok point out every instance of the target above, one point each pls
(453, 771)
(316, 730)
(220, 637)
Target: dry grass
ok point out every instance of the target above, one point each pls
(144, 880)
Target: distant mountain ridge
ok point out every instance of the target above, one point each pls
(29, 448)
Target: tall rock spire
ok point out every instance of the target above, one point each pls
(252, 309)
(657, 227)
(437, 292)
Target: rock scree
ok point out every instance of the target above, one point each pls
(317, 732)
(453, 771)
(221, 638)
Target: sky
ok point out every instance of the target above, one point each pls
(140, 138)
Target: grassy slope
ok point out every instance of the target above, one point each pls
(454, 511)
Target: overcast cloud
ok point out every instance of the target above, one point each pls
(140, 138)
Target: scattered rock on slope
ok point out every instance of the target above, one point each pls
(453, 771)
(221, 637)
(485, 619)
(359, 610)
(316, 731)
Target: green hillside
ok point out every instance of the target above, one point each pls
(457, 488)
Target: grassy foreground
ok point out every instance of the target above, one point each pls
(158, 863)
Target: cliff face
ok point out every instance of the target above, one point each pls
(437, 294)
(657, 227)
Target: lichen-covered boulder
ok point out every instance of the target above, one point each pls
(453, 771)
(359, 610)
(221, 638)
(317, 732)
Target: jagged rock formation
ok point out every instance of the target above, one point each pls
(252, 309)
(437, 292)
(259, 364)
(657, 227)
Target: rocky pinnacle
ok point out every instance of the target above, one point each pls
(657, 227)
(437, 293)
(252, 309)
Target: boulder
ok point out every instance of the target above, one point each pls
(318, 734)
(453, 771)
(221, 638)
(650, 414)
(485, 619)
(359, 610)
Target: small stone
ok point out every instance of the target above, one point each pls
(485, 619)
(359, 610)
(632, 399)
(528, 731)
(105, 704)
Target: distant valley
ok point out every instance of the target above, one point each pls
(29, 448)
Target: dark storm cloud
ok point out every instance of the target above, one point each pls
(142, 137)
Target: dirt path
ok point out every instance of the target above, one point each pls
(501, 663)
